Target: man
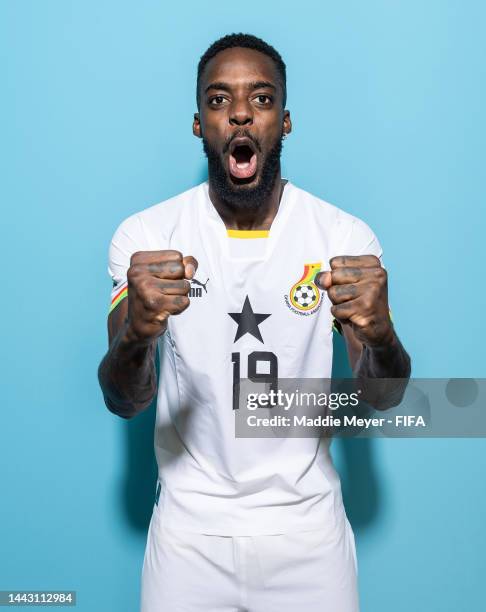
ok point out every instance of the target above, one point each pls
(239, 276)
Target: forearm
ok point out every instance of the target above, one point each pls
(387, 361)
(384, 372)
(127, 374)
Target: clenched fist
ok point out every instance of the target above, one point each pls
(158, 284)
(357, 287)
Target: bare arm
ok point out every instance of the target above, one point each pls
(157, 289)
(127, 373)
(358, 289)
(382, 372)
(388, 361)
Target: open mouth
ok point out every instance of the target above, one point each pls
(242, 158)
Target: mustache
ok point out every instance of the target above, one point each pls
(241, 134)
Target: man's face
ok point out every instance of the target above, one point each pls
(241, 122)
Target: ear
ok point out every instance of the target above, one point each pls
(196, 126)
(287, 123)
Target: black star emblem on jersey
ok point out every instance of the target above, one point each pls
(248, 321)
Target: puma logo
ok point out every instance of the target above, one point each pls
(203, 285)
(197, 291)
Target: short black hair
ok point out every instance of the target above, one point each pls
(247, 41)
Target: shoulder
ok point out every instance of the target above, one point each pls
(160, 217)
(342, 229)
(168, 211)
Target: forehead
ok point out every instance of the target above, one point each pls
(238, 65)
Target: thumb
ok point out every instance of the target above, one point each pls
(190, 266)
(323, 280)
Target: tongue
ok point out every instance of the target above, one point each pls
(243, 170)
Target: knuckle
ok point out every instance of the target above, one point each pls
(161, 318)
(133, 273)
(145, 286)
(338, 309)
(331, 292)
(174, 266)
(181, 302)
(375, 260)
(151, 301)
(136, 257)
(381, 274)
(361, 322)
(172, 255)
(337, 274)
(373, 289)
(368, 303)
(338, 259)
(341, 291)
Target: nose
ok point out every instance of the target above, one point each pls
(241, 114)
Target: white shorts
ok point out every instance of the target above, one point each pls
(192, 572)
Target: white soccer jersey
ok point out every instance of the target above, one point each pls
(254, 308)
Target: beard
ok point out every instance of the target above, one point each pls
(242, 195)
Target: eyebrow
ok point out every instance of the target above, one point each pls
(253, 85)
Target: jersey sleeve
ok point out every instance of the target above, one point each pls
(358, 240)
(127, 239)
(361, 240)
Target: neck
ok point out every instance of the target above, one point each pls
(260, 218)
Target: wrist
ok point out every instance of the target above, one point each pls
(129, 336)
(388, 340)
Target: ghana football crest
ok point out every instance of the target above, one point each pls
(304, 297)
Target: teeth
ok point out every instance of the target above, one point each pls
(243, 165)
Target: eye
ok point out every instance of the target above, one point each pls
(216, 100)
(264, 99)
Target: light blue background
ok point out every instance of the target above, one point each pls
(387, 100)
